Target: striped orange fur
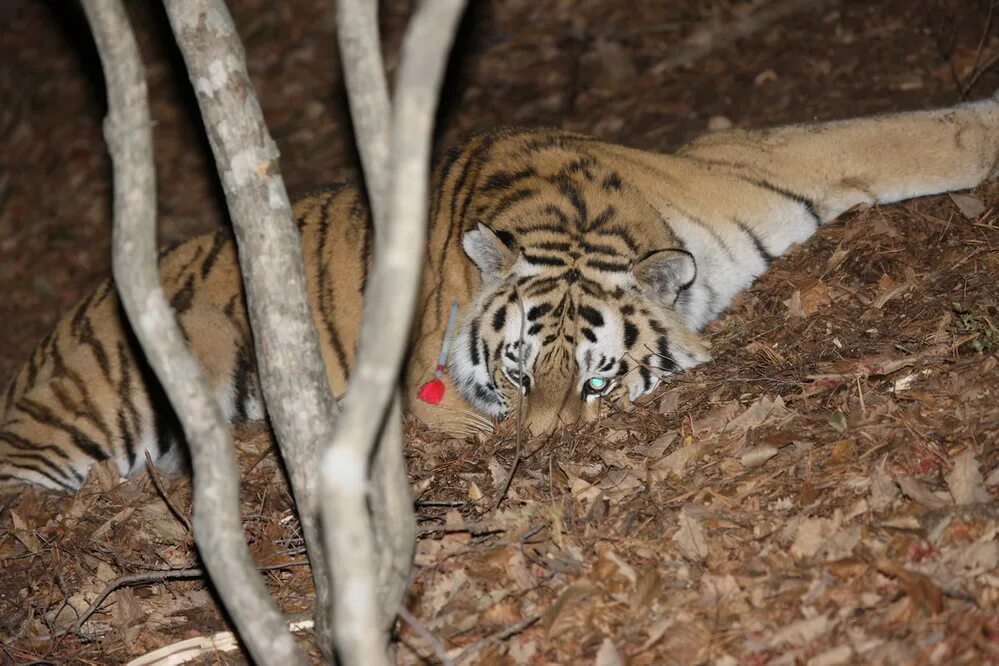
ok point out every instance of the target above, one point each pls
(584, 270)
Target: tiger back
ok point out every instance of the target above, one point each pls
(86, 394)
(593, 266)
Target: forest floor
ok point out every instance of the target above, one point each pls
(823, 493)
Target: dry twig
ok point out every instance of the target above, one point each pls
(154, 474)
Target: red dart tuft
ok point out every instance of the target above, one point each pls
(432, 392)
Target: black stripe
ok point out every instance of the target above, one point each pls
(668, 363)
(82, 330)
(24, 444)
(757, 243)
(43, 415)
(32, 371)
(20, 464)
(230, 307)
(621, 234)
(125, 389)
(543, 260)
(181, 300)
(241, 383)
(367, 226)
(595, 248)
(90, 412)
(473, 341)
(327, 288)
(8, 399)
(539, 310)
(805, 202)
(509, 200)
(501, 180)
(185, 268)
(581, 165)
(543, 286)
(630, 334)
(571, 192)
(603, 218)
(609, 266)
(126, 435)
(591, 315)
(554, 246)
(218, 243)
(646, 375)
(456, 218)
(499, 319)
(693, 219)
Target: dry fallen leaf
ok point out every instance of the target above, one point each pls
(812, 534)
(970, 205)
(915, 490)
(842, 654)
(756, 457)
(883, 490)
(793, 304)
(965, 481)
(771, 411)
(608, 655)
(922, 591)
(678, 459)
(690, 538)
(802, 632)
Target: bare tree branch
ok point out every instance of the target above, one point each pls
(292, 373)
(367, 94)
(388, 306)
(217, 525)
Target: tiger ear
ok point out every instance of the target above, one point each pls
(488, 251)
(666, 273)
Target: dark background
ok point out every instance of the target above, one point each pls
(588, 66)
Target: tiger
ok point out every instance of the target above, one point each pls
(584, 272)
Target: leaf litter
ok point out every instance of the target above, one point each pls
(823, 493)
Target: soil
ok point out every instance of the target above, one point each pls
(824, 492)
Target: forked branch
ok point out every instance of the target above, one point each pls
(389, 299)
(217, 525)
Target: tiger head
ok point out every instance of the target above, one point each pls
(567, 322)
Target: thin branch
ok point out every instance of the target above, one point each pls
(131, 581)
(154, 474)
(367, 95)
(145, 578)
(389, 301)
(218, 529)
(498, 637)
(520, 411)
(435, 644)
(293, 376)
